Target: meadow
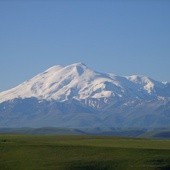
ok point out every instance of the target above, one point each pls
(53, 152)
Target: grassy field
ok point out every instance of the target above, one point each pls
(29, 152)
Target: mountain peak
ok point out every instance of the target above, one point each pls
(77, 81)
(79, 64)
(77, 68)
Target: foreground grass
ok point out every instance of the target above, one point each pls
(82, 152)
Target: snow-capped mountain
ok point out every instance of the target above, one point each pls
(102, 98)
(78, 82)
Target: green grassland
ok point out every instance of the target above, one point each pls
(33, 152)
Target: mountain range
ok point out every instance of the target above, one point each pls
(76, 96)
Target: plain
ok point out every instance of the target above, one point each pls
(49, 152)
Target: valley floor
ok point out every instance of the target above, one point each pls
(34, 152)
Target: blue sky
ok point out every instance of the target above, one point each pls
(121, 37)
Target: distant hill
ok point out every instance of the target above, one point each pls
(135, 133)
(42, 131)
(157, 133)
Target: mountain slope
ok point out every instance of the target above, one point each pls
(76, 96)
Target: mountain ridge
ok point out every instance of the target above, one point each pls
(79, 82)
(94, 98)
